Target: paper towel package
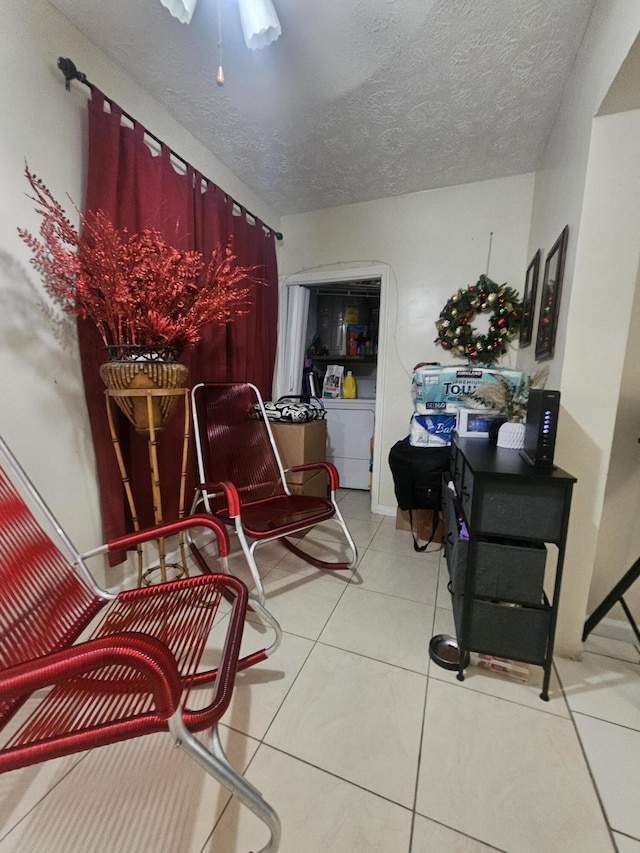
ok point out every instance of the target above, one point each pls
(443, 388)
(433, 430)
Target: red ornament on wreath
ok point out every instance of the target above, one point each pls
(485, 295)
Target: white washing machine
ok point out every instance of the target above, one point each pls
(350, 425)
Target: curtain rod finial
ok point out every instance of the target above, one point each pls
(70, 72)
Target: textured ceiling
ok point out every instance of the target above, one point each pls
(358, 99)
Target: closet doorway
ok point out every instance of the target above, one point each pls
(298, 292)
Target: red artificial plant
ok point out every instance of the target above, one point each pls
(136, 288)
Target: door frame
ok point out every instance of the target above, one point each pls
(326, 277)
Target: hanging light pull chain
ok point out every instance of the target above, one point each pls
(220, 71)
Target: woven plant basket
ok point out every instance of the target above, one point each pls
(138, 376)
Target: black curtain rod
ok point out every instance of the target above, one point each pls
(70, 72)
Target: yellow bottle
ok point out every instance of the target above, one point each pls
(349, 389)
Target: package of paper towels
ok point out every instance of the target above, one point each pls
(441, 388)
(432, 430)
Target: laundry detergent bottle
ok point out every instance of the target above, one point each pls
(349, 388)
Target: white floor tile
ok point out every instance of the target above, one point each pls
(504, 686)
(357, 504)
(269, 554)
(614, 758)
(602, 687)
(302, 605)
(393, 541)
(320, 813)
(357, 718)
(21, 790)
(383, 627)
(139, 795)
(405, 577)
(322, 549)
(239, 568)
(626, 844)
(507, 775)
(432, 837)
(612, 648)
(362, 531)
(261, 689)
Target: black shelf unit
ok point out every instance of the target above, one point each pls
(512, 511)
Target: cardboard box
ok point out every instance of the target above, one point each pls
(512, 668)
(301, 443)
(422, 525)
(316, 485)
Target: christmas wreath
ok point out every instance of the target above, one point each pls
(455, 332)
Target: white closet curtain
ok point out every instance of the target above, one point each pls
(292, 332)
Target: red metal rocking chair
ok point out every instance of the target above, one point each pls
(117, 666)
(242, 481)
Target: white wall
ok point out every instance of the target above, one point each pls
(435, 243)
(560, 180)
(43, 415)
(619, 534)
(610, 256)
(586, 180)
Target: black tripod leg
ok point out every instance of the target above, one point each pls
(632, 621)
(612, 598)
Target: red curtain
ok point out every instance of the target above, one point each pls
(137, 189)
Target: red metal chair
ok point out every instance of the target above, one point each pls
(117, 666)
(242, 481)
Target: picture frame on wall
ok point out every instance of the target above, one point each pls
(551, 293)
(529, 300)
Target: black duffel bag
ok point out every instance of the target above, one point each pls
(417, 478)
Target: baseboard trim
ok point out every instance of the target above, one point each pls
(615, 629)
(384, 509)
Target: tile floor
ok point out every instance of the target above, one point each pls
(360, 742)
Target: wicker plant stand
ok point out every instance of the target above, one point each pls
(163, 570)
